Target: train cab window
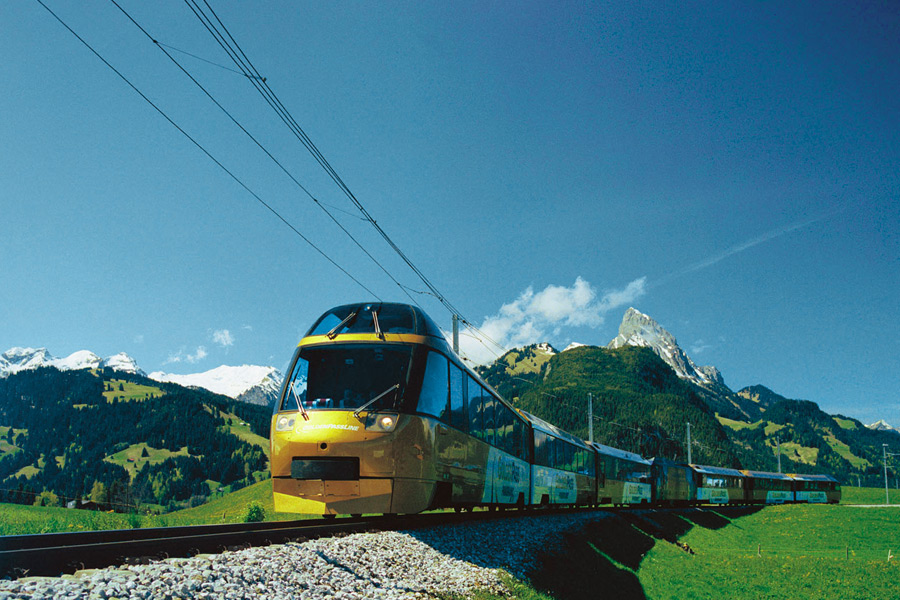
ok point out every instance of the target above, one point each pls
(433, 400)
(359, 319)
(458, 416)
(347, 377)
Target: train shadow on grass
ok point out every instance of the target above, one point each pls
(600, 559)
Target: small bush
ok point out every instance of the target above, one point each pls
(255, 513)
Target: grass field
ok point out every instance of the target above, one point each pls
(132, 459)
(17, 519)
(242, 431)
(737, 425)
(794, 552)
(855, 495)
(130, 391)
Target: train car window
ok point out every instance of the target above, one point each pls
(458, 416)
(489, 403)
(476, 409)
(503, 418)
(541, 449)
(519, 441)
(601, 470)
(434, 398)
(347, 377)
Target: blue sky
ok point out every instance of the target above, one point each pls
(729, 169)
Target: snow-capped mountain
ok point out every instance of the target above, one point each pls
(22, 359)
(882, 425)
(248, 383)
(573, 345)
(637, 329)
(121, 362)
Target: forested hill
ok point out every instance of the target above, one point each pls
(123, 440)
(639, 402)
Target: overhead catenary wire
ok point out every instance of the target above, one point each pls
(232, 48)
(284, 169)
(209, 155)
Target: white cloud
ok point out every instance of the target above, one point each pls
(699, 346)
(199, 355)
(180, 356)
(223, 337)
(529, 318)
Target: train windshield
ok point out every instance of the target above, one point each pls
(348, 378)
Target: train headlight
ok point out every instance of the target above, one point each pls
(285, 423)
(381, 422)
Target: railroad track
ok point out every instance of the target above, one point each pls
(53, 554)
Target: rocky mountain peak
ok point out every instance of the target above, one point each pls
(638, 329)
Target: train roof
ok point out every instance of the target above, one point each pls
(392, 318)
(767, 475)
(724, 471)
(617, 453)
(802, 477)
(553, 430)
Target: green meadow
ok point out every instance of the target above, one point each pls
(793, 552)
(17, 519)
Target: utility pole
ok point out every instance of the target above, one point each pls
(887, 499)
(456, 334)
(778, 452)
(689, 443)
(590, 417)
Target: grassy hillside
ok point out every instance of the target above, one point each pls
(123, 441)
(639, 402)
(17, 519)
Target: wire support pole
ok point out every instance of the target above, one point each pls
(690, 461)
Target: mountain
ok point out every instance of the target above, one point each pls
(639, 403)
(882, 425)
(645, 388)
(637, 329)
(247, 383)
(640, 330)
(123, 440)
(15, 360)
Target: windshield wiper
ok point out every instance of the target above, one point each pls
(299, 402)
(333, 333)
(356, 412)
(377, 326)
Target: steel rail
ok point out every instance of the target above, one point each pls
(53, 554)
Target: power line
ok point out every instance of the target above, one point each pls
(315, 200)
(223, 37)
(204, 150)
(231, 47)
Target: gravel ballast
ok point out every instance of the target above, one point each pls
(390, 565)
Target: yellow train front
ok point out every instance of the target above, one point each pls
(378, 415)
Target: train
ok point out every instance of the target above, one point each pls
(378, 415)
